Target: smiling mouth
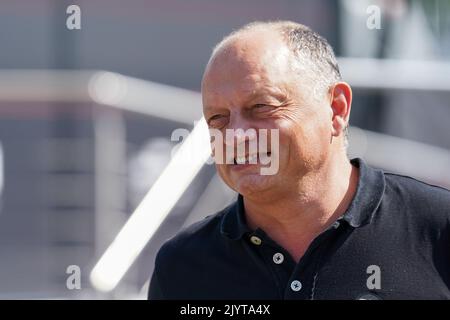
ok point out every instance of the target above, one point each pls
(250, 159)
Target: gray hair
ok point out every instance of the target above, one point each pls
(312, 53)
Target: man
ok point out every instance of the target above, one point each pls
(322, 227)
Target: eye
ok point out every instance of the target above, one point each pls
(215, 117)
(261, 107)
(217, 120)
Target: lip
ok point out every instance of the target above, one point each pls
(244, 166)
(240, 167)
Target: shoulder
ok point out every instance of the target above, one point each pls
(183, 258)
(408, 186)
(192, 240)
(428, 201)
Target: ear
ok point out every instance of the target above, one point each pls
(341, 101)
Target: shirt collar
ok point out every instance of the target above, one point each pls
(234, 224)
(369, 192)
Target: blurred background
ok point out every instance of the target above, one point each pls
(87, 122)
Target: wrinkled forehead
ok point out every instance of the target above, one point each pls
(246, 64)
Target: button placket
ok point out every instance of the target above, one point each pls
(255, 240)
(296, 285)
(278, 258)
(279, 263)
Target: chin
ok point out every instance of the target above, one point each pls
(253, 184)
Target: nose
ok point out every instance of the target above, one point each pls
(240, 138)
(239, 130)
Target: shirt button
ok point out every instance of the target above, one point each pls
(296, 285)
(255, 240)
(278, 258)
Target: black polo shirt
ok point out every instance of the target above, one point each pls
(393, 242)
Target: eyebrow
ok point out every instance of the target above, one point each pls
(253, 95)
(277, 94)
(207, 109)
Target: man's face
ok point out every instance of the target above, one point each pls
(250, 84)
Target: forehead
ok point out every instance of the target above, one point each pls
(246, 66)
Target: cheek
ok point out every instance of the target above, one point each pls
(222, 170)
(224, 173)
(303, 139)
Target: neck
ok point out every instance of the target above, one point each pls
(321, 198)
